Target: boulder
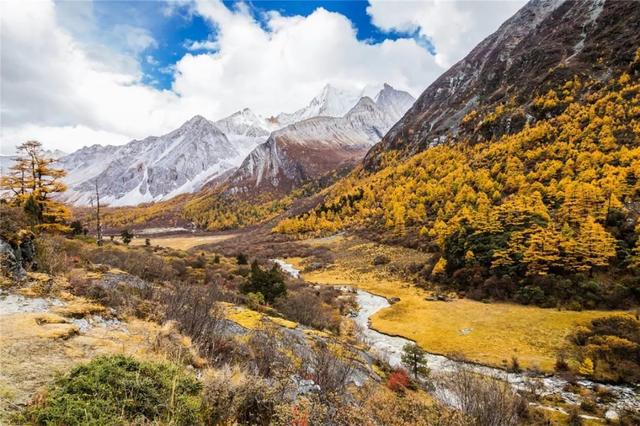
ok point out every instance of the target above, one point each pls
(612, 415)
(10, 263)
(314, 266)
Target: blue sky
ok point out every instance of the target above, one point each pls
(173, 32)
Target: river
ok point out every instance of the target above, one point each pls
(389, 348)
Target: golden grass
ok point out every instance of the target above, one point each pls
(493, 333)
(252, 320)
(79, 308)
(182, 242)
(36, 347)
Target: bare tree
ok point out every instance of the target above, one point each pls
(98, 224)
(198, 315)
(485, 400)
(330, 372)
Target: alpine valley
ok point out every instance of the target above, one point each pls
(469, 257)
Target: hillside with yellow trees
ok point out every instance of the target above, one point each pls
(544, 215)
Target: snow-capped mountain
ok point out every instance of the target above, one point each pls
(313, 147)
(153, 168)
(337, 127)
(244, 129)
(534, 51)
(331, 102)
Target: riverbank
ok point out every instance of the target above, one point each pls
(486, 333)
(390, 348)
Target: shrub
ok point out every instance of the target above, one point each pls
(609, 348)
(514, 367)
(268, 282)
(118, 390)
(232, 397)
(51, 255)
(308, 308)
(330, 372)
(484, 400)
(199, 316)
(398, 381)
(242, 259)
(126, 236)
(76, 227)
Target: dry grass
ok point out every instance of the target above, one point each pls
(36, 347)
(251, 319)
(493, 332)
(181, 242)
(79, 308)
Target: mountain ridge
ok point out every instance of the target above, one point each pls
(543, 43)
(138, 171)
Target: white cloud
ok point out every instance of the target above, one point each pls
(280, 65)
(454, 27)
(151, 60)
(135, 39)
(62, 137)
(55, 88)
(202, 45)
(48, 80)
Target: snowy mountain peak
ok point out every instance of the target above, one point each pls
(339, 124)
(394, 102)
(244, 123)
(196, 120)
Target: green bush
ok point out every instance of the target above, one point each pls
(270, 282)
(121, 390)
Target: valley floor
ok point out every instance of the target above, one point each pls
(486, 333)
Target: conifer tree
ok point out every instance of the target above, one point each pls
(33, 181)
(415, 359)
(594, 246)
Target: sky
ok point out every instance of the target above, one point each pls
(77, 73)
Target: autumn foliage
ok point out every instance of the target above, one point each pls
(557, 198)
(398, 381)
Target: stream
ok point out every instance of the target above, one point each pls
(389, 348)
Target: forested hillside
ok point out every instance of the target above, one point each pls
(529, 215)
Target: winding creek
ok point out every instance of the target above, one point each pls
(389, 348)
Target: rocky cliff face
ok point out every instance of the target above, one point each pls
(311, 148)
(546, 42)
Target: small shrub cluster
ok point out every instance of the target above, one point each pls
(310, 308)
(120, 390)
(269, 283)
(608, 349)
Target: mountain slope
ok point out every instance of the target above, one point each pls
(544, 43)
(152, 168)
(531, 193)
(313, 147)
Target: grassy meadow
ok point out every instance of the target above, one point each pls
(487, 333)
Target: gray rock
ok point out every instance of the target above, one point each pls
(9, 263)
(314, 266)
(611, 415)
